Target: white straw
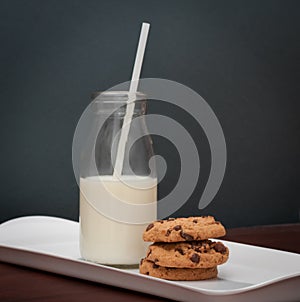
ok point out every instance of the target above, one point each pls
(131, 98)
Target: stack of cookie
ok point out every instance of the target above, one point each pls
(182, 250)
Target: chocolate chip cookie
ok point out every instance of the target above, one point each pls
(184, 229)
(184, 274)
(194, 254)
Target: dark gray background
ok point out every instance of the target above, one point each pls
(241, 56)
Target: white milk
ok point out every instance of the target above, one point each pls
(105, 240)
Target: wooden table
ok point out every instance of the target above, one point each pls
(24, 284)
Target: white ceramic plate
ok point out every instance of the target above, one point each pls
(251, 274)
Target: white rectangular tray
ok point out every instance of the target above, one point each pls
(251, 274)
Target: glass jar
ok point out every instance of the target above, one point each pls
(114, 211)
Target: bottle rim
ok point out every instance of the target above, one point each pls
(116, 96)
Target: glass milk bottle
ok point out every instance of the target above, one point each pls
(114, 211)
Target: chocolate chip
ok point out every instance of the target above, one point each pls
(149, 227)
(177, 227)
(220, 248)
(179, 250)
(195, 220)
(161, 221)
(186, 236)
(147, 273)
(198, 249)
(155, 265)
(168, 232)
(195, 258)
